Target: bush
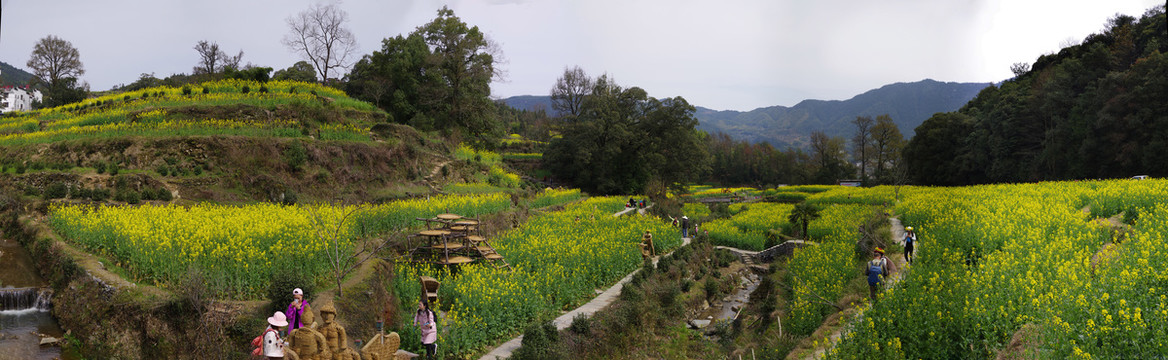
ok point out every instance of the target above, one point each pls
(130, 197)
(281, 286)
(206, 90)
(163, 194)
(56, 191)
(540, 342)
(126, 98)
(263, 89)
(581, 324)
(112, 167)
(186, 89)
(245, 89)
(99, 194)
(20, 168)
(713, 292)
(295, 155)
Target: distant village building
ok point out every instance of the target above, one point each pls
(13, 98)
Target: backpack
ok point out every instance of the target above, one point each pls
(875, 269)
(258, 343)
(908, 238)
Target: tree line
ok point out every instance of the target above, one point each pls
(1092, 110)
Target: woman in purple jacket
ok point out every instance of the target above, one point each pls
(296, 310)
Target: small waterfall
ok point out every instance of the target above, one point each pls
(22, 299)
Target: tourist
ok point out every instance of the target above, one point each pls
(273, 346)
(876, 271)
(425, 320)
(910, 239)
(295, 312)
(684, 226)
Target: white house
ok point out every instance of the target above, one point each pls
(18, 98)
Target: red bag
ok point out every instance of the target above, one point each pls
(258, 343)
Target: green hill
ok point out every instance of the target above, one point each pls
(227, 140)
(1093, 110)
(13, 76)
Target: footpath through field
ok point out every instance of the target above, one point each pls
(898, 270)
(598, 303)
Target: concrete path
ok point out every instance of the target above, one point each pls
(598, 303)
(898, 270)
(628, 210)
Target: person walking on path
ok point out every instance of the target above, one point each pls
(295, 312)
(684, 226)
(877, 271)
(424, 319)
(910, 239)
(273, 347)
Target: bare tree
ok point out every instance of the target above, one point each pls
(887, 142)
(860, 142)
(333, 231)
(54, 59)
(320, 37)
(213, 60)
(570, 89)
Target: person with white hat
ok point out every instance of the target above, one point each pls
(273, 345)
(684, 226)
(296, 310)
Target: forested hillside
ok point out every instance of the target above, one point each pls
(1094, 110)
(12, 76)
(908, 104)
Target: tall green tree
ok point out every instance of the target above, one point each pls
(464, 58)
(436, 78)
(623, 140)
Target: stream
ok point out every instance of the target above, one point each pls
(25, 301)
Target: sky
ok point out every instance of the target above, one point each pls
(723, 55)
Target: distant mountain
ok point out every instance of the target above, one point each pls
(11, 75)
(909, 104)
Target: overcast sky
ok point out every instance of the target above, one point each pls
(726, 55)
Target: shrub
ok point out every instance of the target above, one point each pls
(161, 170)
(540, 342)
(145, 95)
(206, 90)
(56, 190)
(126, 98)
(263, 89)
(99, 194)
(295, 155)
(245, 89)
(581, 324)
(281, 285)
(186, 89)
(82, 193)
(36, 166)
(130, 197)
(112, 168)
(20, 168)
(163, 194)
(713, 292)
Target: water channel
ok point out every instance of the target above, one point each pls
(25, 301)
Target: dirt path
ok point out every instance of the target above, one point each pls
(898, 267)
(598, 303)
(628, 210)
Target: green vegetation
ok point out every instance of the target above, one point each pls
(1093, 110)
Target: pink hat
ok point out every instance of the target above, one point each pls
(278, 319)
